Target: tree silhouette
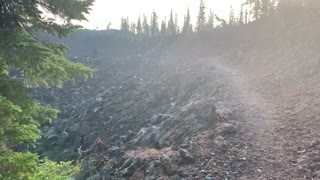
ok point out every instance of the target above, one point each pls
(210, 24)
(187, 23)
(154, 25)
(201, 19)
(176, 24)
(163, 31)
(125, 27)
(133, 27)
(139, 26)
(146, 26)
(171, 26)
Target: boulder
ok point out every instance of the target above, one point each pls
(226, 129)
(114, 151)
(107, 169)
(186, 156)
(145, 137)
(169, 167)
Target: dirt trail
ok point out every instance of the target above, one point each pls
(259, 123)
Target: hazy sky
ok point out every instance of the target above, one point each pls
(105, 11)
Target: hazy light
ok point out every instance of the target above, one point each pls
(105, 11)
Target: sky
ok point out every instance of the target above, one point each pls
(105, 11)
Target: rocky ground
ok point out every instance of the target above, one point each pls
(146, 117)
(248, 113)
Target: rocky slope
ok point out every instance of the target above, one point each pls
(138, 116)
(242, 108)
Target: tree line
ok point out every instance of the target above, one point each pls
(250, 11)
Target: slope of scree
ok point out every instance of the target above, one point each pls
(141, 109)
(250, 113)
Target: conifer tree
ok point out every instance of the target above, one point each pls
(163, 31)
(171, 27)
(41, 63)
(210, 24)
(201, 20)
(262, 8)
(122, 26)
(187, 22)
(125, 27)
(176, 24)
(154, 25)
(146, 26)
(133, 27)
(139, 26)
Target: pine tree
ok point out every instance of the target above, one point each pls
(154, 25)
(139, 26)
(187, 23)
(171, 27)
(125, 27)
(210, 24)
(163, 31)
(133, 27)
(262, 8)
(176, 24)
(41, 63)
(201, 20)
(146, 26)
(122, 25)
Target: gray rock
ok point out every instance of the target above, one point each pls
(175, 148)
(74, 128)
(95, 177)
(84, 129)
(106, 169)
(226, 129)
(127, 163)
(114, 151)
(145, 137)
(169, 167)
(155, 119)
(151, 169)
(129, 171)
(124, 138)
(186, 156)
(190, 118)
(208, 177)
(89, 139)
(106, 177)
(184, 146)
(150, 178)
(77, 142)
